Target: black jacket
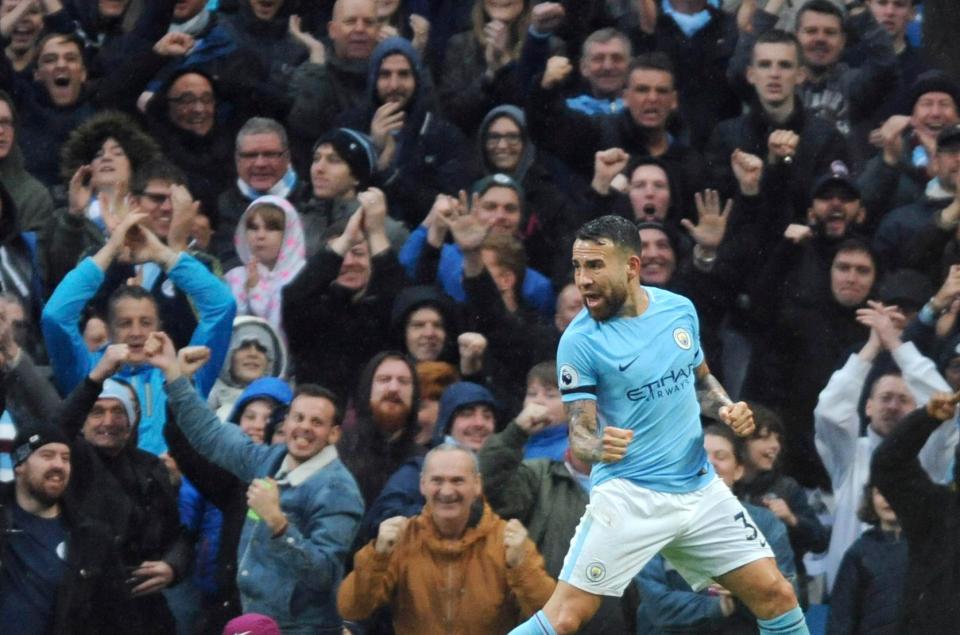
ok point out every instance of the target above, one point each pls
(132, 494)
(90, 597)
(820, 145)
(575, 137)
(331, 332)
(930, 517)
(868, 590)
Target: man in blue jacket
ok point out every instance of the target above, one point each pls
(133, 316)
(305, 506)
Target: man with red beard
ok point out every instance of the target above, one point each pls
(52, 560)
(383, 436)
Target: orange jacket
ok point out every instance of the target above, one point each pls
(437, 586)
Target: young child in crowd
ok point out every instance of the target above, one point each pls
(269, 241)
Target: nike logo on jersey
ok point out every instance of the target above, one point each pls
(624, 367)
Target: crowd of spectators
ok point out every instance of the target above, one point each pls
(281, 284)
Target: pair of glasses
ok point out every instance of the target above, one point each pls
(189, 99)
(271, 155)
(512, 138)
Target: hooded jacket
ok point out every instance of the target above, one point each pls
(455, 398)
(367, 453)
(31, 199)
(433, 585)
(417, 297)
(270, 40)
(264, 300)
(227, 389)
(550, 215)
(432, 155)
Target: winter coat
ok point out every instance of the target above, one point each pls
(227, 389)
(868, 591)
(291, 577)
(90, 599)
(929, 514)
(333, 332)
(434, 585)
(820, 145)
(432, 155)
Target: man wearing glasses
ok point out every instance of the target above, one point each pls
(263, 166)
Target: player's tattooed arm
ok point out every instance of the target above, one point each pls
(585, 443)
(710, 393)
(716, 403)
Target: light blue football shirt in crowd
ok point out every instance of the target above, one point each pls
(641, 372)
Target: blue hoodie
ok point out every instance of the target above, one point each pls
(263, 388)
(457, 397)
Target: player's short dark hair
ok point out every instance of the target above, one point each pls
(726, 432)
(819, 6)
(776, 36)
(319, 392)
(654, 61)
(70, 38)
(616, 229)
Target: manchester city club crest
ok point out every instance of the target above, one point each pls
(596, 572)
(682, 337)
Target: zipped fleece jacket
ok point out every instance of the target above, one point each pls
(457, 587)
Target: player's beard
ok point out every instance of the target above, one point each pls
(613, 302)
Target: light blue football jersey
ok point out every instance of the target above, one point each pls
(641, 372)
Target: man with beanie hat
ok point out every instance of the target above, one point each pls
(125, 488)
(59, 572)
(420, 153)
(899, 174)
(343, 163)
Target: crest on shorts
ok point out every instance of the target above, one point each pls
(682, 337)
(596, 572)
(569, 377)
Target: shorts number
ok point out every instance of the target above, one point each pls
(747, 525)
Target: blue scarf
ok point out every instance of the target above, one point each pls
(281, 188)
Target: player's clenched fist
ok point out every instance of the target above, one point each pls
(942, 405)
(739, 417)
(390, 533)
(514, 536)
(614, 444)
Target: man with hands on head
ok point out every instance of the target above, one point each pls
(456, 567)
(633, 358)
(304, 505)
(133, 314)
